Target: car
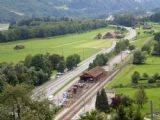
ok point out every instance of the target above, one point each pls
(59, 75)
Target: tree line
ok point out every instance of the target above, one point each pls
(41, 28)
(35, 70)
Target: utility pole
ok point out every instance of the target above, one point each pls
(62, 51)
(152, 116)
(83, 53)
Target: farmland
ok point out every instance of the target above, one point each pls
(122, 82)
(83, 44)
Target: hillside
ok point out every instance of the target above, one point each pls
(12, 9)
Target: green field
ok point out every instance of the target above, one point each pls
(4, 26)
(151, 67)
(83, 44)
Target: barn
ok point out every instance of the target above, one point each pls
(109, 35)
(94, 74)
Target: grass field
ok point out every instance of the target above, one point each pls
(151, 67)
(83, 44)
(4, 26)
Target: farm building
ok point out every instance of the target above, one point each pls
(147, 27)
(109, 35)
(94, 74)
(18, 47)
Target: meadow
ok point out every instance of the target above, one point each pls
(151, 67)
(83, 44)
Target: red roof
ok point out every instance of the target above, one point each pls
(95, 72)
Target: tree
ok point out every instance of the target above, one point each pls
(15, 103)
(139, 57)
(120, 114)
(156, 49)
(140, 97)
(102, 102)
(93, 115)
(145, 76)
(55, 60)
(98, 36)
(3, 82)
(61, 66)
(131, 47)
(100, 60)
(146, 48)
(138, 115)
(125, 20)
(72, 61)
(157, 37)
(136, 77)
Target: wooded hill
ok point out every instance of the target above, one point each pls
(11, 10)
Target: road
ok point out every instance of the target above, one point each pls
(90, 105)
(53, 86)
(79, 107)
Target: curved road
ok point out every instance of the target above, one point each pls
(53, 86)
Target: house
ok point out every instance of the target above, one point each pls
(147, 27)
(109, 35)
(94, 74)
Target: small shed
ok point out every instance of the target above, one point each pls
(110, 94)
(18, 47)
(147, 27)
(109, 35)
(94, 74)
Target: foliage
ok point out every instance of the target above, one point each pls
(40, 28)
(102, 102)
(156, 49)
(100, 60)
(98, 36)
(140, 97)
(146, 48)
(155, 17)
(125, 20)
(16, 104)
(157, 37)
(34, 70)
(130, 113)
(72, 61)
(121, 46)
(93, 115)
(139, 57)
(121, 99)
(131, 47)
(135, 77)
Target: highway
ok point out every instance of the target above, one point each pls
(87, 101)
(53, 86)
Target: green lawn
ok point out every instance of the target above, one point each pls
(4, 25)
(151, 67)
(63, 45)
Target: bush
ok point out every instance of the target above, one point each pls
(139, 57)
(151, 80)
(136, 77)
(145, 76)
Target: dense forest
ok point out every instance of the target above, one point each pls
(47, 27)
(10, 11)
